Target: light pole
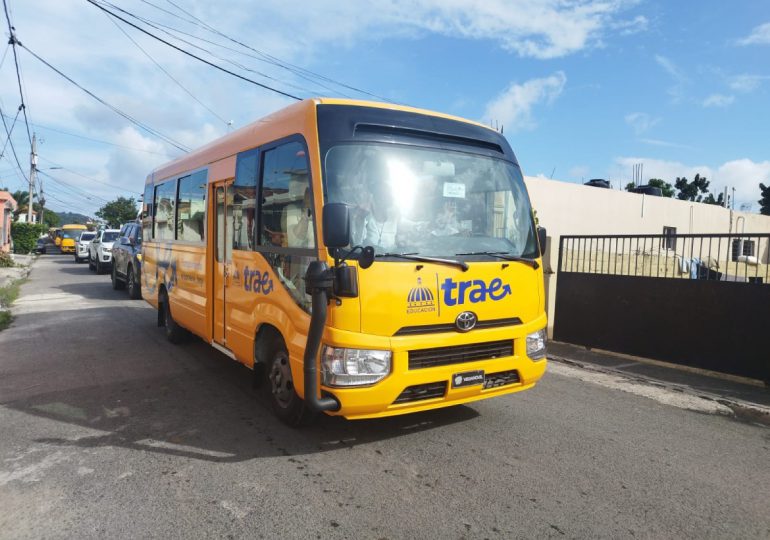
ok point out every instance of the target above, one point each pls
(32, 166)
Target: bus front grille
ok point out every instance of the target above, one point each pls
(420, 392)
(501, 378)
(444, 356)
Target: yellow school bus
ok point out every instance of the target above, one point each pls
(364, 259)
(68, 236)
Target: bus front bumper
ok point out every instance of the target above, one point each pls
(406, 390)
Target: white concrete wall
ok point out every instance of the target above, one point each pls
(564, 208)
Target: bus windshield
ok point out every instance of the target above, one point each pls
(431, 202)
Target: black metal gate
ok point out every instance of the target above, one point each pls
(695, 299)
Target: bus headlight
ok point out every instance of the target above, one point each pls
(353, 367)
(536, 342)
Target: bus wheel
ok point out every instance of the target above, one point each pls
(287, 405)
(174, 333)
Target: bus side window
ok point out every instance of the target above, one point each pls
(286, 216)
(244, 201)
(287, 219)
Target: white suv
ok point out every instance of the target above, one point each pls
(100, 250)
(81, 246)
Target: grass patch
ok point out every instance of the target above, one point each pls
(8, 295)
(5, 319)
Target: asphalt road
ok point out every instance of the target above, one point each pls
(108, 431)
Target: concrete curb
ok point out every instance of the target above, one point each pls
(742, 410)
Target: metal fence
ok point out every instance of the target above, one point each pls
(717, 257)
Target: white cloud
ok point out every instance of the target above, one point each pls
(746, 83)
(742, 174)
(677, 90)
(513, 107)
(718, 100)
(760, 35)
(641, 122)
(539, 29)
(633, 26)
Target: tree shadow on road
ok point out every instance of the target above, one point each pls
(191, 401)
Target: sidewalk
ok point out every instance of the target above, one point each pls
(747, 397)
(21, 270)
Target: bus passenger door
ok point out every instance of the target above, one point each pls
(222, 257)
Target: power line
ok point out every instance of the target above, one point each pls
(49, 128)
(13, 42)
(128, 117)
(10, 142)
(166, 29)
(74, 190)
(62, 167)
(10, 131)
(191, 55)
(268, 57)
(180, 85)
(169, 29)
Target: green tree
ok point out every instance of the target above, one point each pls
(691, 191)
(119, 211)
(764, 202)
(666, 188)
(719, 200)
(22, 200)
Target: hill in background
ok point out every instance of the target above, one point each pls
(72, 217)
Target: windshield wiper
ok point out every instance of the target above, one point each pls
(505, 255)
(420, 258)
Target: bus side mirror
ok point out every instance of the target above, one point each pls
(542, 239)
(336, 224)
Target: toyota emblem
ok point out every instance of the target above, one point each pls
(466, 321)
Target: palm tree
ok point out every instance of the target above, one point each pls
(22, 201)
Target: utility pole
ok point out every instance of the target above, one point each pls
(32, 167)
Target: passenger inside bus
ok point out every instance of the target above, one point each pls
(298, 222)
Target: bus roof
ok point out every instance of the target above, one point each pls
(281, 123)
(74, 226)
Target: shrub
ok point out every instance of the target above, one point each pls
(5, 260)
(25, 236)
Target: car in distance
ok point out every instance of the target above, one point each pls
(100, 250)
(127, 260)
(41, 245)
(81, 246)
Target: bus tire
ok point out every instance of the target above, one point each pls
(287, 405)
(116, 283)
(174, 333)
(134, 289)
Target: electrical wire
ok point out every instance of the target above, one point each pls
(10, 131)
(74, 190)
(13, 42)
(191, 55)
(166, 29)
(49, 128)
(10, 142)
(62, 167)
(128, 117)
(297, 70)
(169, 29)
(180, 85)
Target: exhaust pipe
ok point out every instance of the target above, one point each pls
(319, 283)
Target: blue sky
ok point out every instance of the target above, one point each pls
(583, 89)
